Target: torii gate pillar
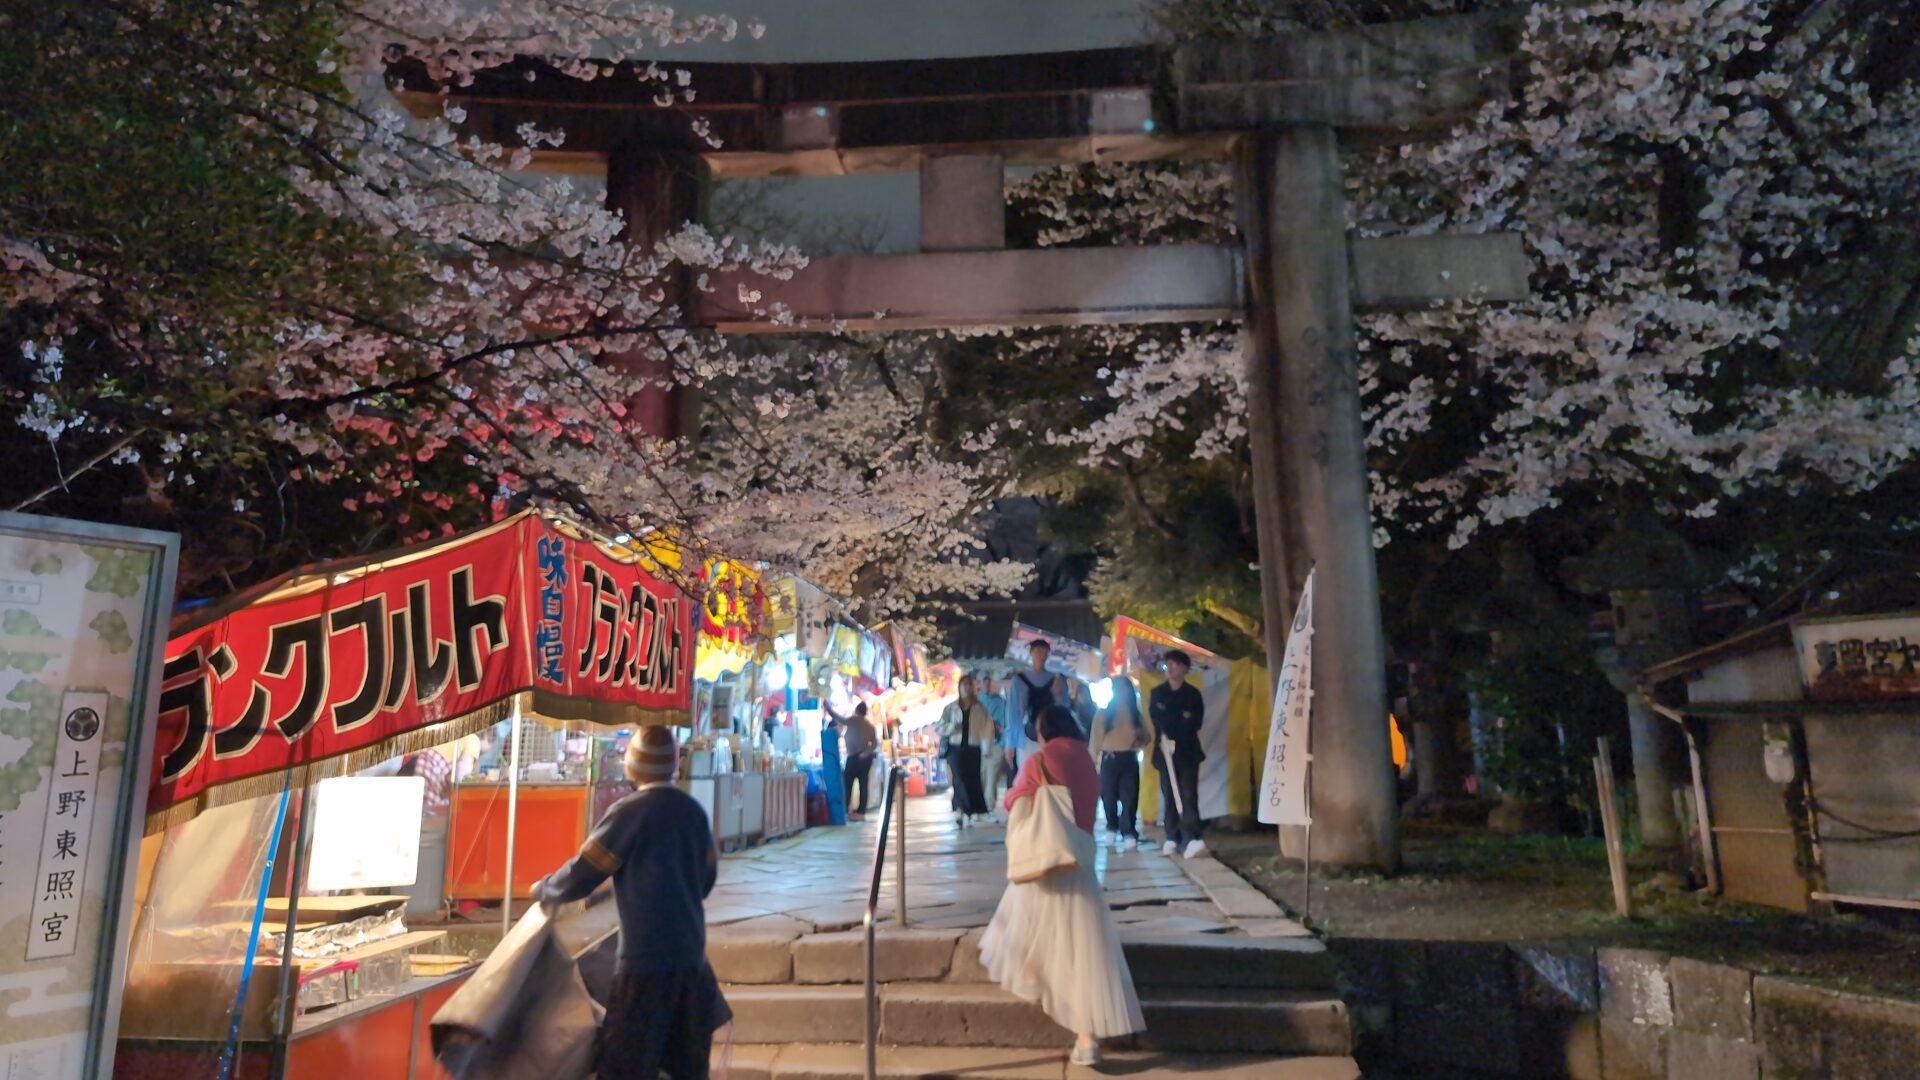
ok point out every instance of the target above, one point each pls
(657, 190)
(1310, 480)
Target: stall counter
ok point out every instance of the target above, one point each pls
(384, 1037)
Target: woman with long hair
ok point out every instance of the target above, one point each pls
(1118, 735)
(966, 732)
(1052, 940)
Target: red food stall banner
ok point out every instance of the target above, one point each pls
(357, 658)
(1139, 646)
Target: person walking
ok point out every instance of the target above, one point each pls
(1177, 711)
(966, 731)
(1052, 940)
(1028, 695)
(861, 742)
(664, 1004)
(1118, 736)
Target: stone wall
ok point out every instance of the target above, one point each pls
(1547, 1010)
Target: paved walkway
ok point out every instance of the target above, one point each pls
(955, 878)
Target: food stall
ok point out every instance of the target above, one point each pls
(799, 683)
(1135, 651)
(751, 791)
(560, 789)
(302, 683)
(915, 709)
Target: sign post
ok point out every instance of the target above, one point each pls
(83, 619)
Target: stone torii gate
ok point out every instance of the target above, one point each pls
(1279, 110)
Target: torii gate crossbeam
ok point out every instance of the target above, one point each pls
(1281, 110)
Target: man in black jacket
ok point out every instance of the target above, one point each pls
(657, 847)
(1177, 711)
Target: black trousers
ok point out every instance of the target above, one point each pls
(1120, 792)
(859, 769)
(963, 762)
(660, 1022)
(1182, 814)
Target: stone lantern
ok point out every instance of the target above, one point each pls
(1652, 577)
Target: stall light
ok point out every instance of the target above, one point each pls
(777, 675)
(1101, 693)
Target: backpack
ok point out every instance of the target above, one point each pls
(1038, 698)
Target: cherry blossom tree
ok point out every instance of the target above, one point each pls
(244, 295)
(1718, 200)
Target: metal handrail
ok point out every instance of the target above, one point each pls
(895, 777)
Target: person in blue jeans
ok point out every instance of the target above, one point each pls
(1118, 735)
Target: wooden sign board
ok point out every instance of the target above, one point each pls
(1862, 658)
(83, 617)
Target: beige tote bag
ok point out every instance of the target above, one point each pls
(1040, 833)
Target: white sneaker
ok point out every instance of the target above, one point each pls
(1128, 843)
(1086, 1053)
(1169, 848)
(1196, 848)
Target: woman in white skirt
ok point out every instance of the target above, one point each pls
(1053, 941)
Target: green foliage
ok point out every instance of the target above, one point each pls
(1550, 701)
(147, 151)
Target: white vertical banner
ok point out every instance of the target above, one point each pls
(1283, 787)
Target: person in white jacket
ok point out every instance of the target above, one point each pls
(966, 735)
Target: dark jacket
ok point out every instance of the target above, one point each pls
(657, 847)
(1177, 715)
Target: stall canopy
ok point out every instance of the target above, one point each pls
(909, 656)
(803, 616)
(1139, 647)
(370, 658)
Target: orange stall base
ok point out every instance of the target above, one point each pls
(552, 823)
(374, 1045)
(376, 1040)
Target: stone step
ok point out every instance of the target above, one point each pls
(841, 1061)
(773, 954)
(974, 1015)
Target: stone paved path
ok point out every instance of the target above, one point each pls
(955, 877)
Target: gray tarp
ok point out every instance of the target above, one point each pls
(526, 1014)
